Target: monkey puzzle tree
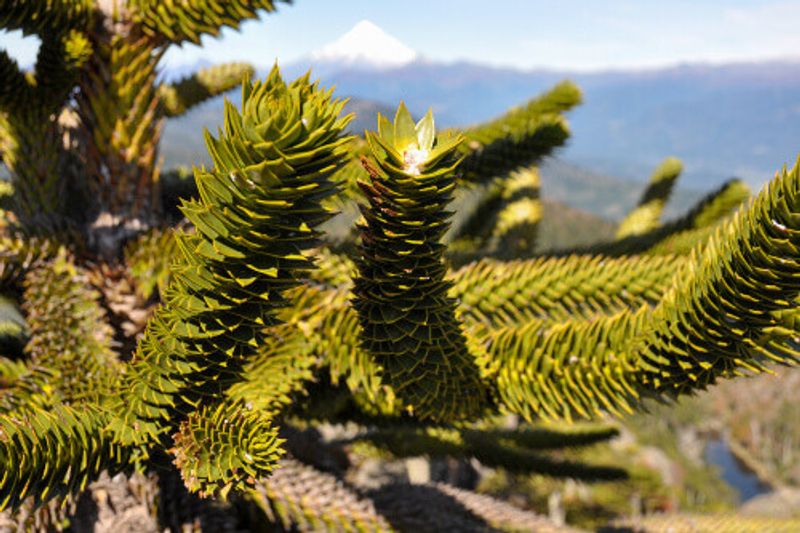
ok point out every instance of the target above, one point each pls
(207, 347)
(93, 96)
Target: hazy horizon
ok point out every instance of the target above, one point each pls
(574, 35)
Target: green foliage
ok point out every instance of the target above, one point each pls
(38, 202)
(18, 255)
(118, 107)
(223, 447)
(255, 222)
(42, 16)
(497, 296)
(717, 205)
(13, 329)
(283, 365)
(178, 22)
(15, 86)
(262, 321)
(177, 98)
(559, 370)
(57, 63)
(54, 452)
(505, 221)
(716, 319)
(698, 224)
(31, 103)
(720, 319)
(10, 370)
(26, 389)
(682, 234)
(519, 137)
(69, 334)
(6, 145)
(498, 293)
(647, 214)
(514, 233)
(408, 321)
(118, 103)
(149, 258)
(332, 327)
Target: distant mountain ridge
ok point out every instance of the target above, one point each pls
(722, 120)
(738, 119)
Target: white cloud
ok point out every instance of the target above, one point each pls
(766, 30)
(669, 34)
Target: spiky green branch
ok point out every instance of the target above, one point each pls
(408, 321)
(69, 333)
(255, 221)
(519, 137)
(177, 98)
(54, 452)
(43, 16)
(178, 22)
(646, 216)
(693, 226)
(723, 315)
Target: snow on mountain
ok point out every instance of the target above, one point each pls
(366, 44)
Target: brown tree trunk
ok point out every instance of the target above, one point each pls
(121, 124)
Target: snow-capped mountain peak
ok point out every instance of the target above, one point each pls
(366, 44)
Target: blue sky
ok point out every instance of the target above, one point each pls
(565, 34)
